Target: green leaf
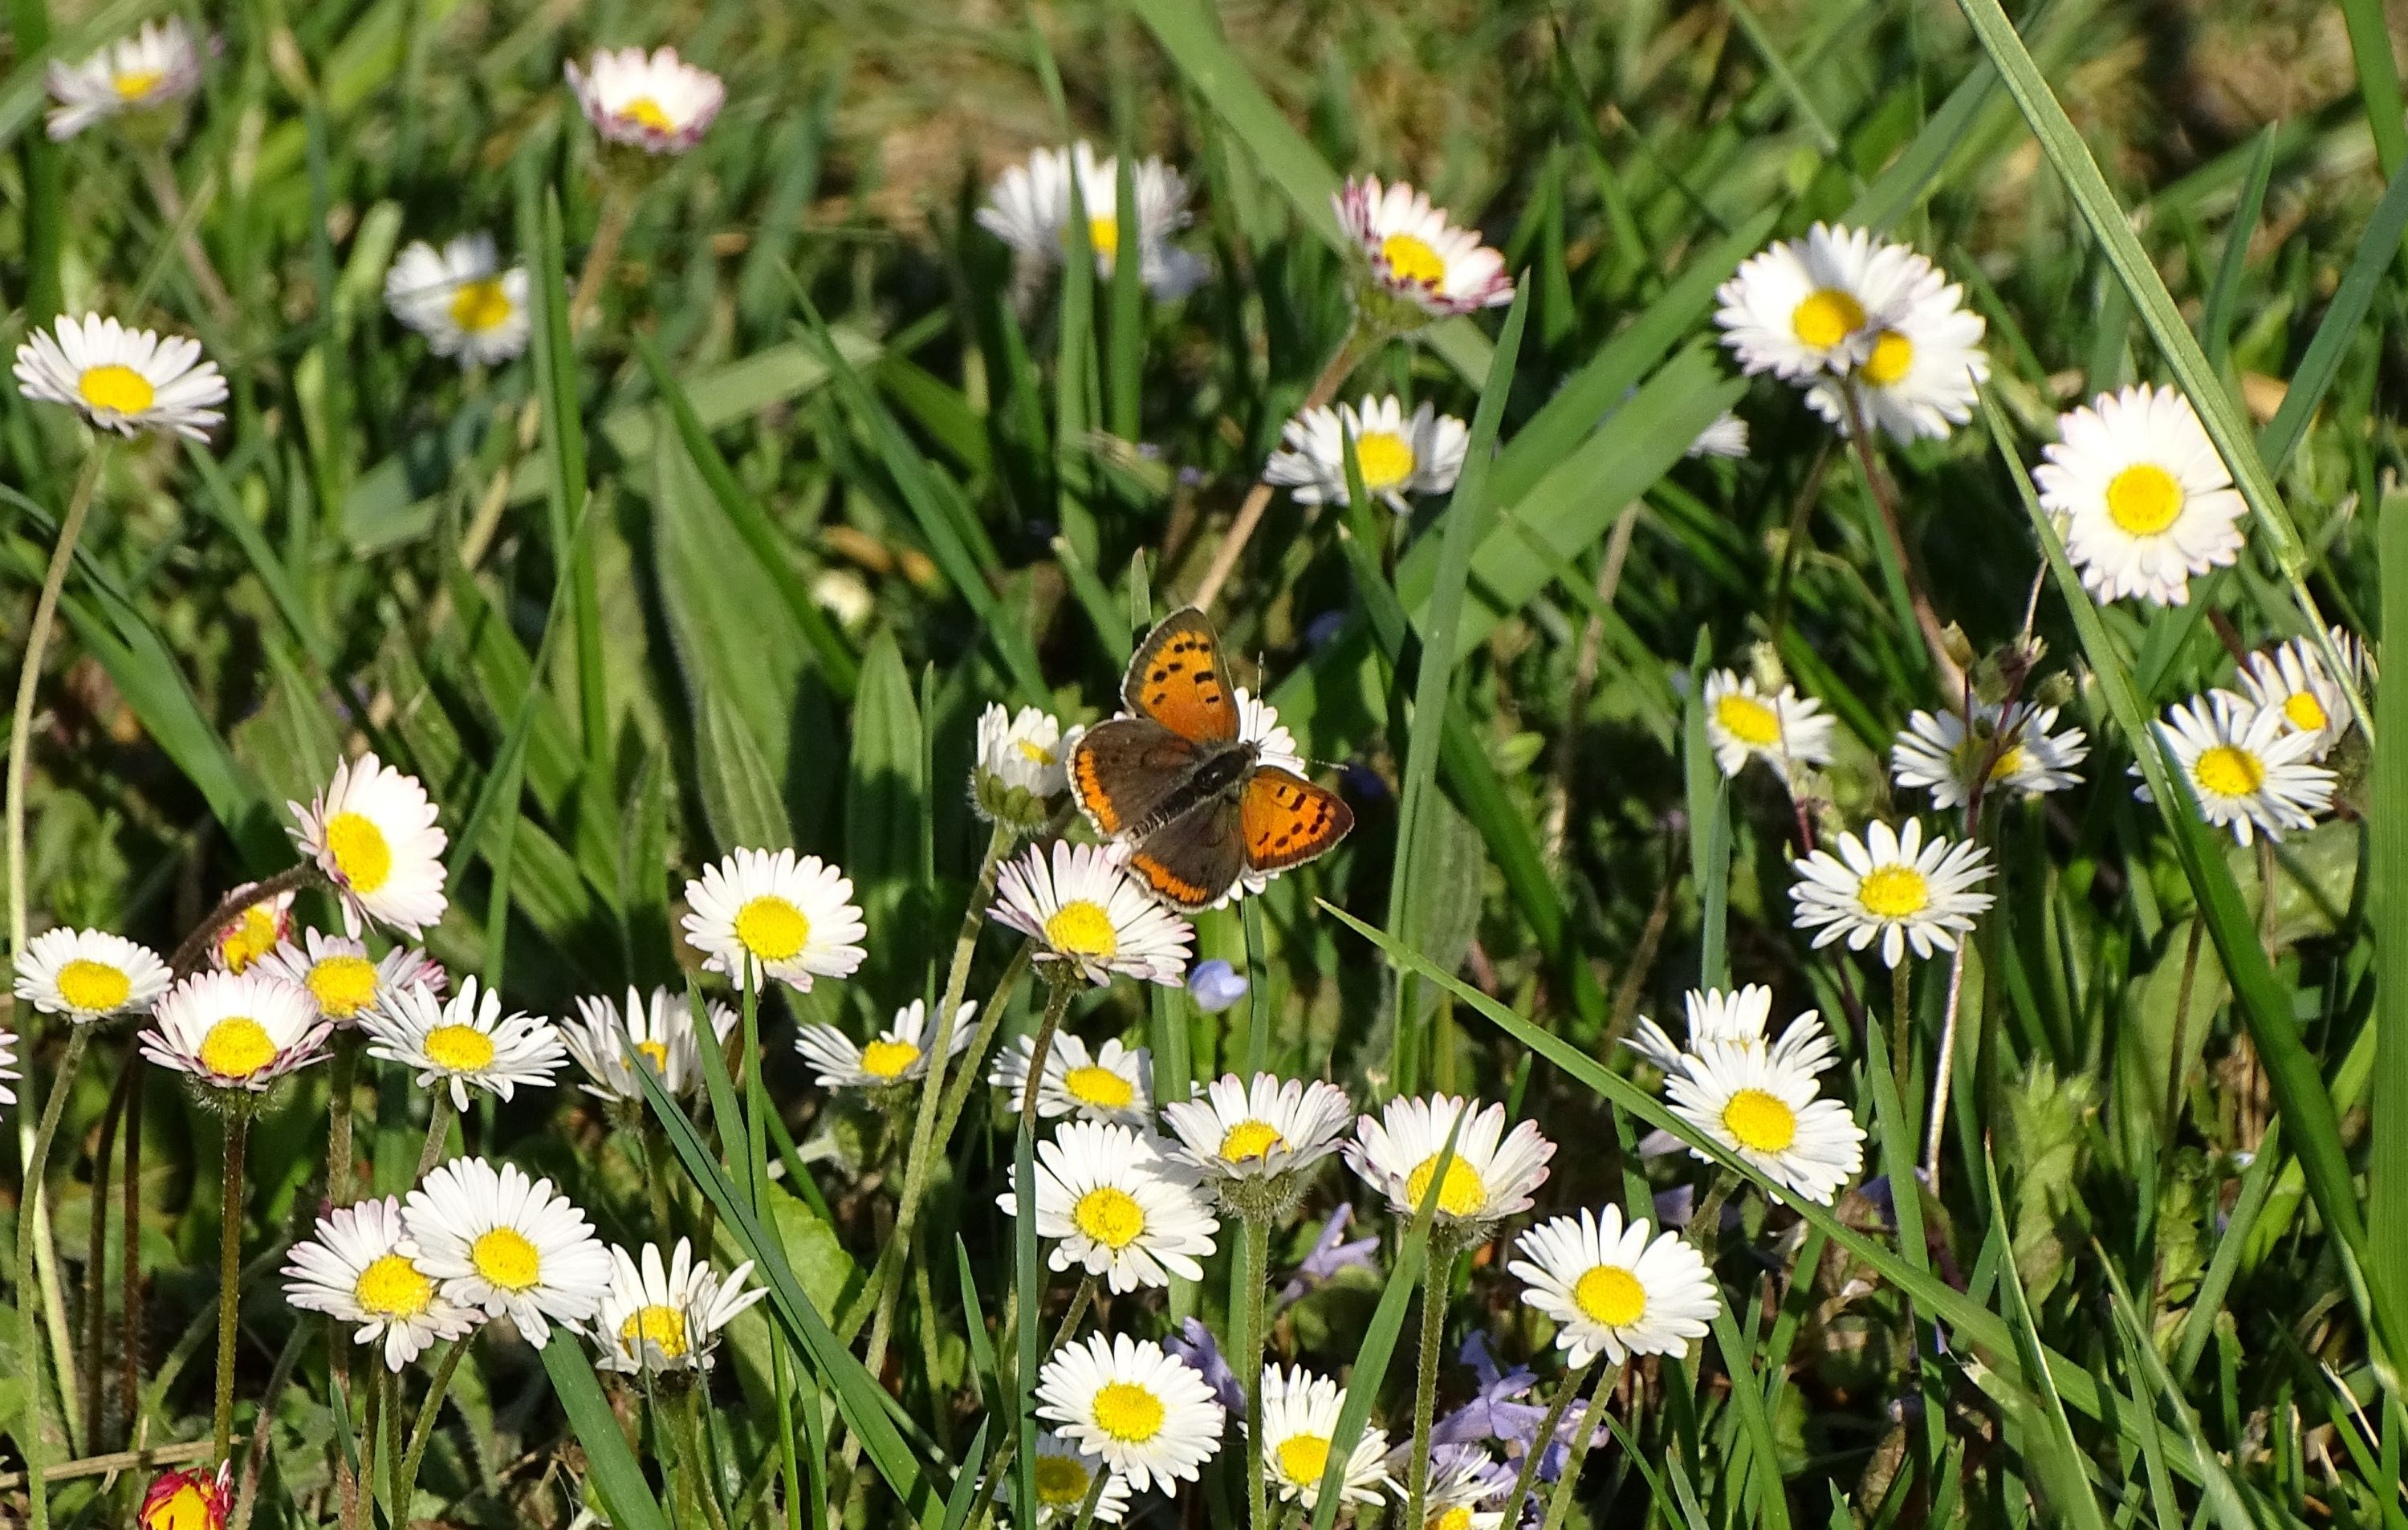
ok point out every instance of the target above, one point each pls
(739, 796)
(885, 802)
(616, 1475)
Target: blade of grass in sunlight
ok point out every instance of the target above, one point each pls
(615, 1472)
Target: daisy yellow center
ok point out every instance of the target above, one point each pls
(391, 1287)
(888, 1059)
(462, 1048)
(1082, 928)
(1412, 260)
(1760, 1121)
(1109, 1217)
(1827, 317)
(481, 304)
(187, 1509)
(2230, 771)
(2010, 760)
(343, 985)
(1894, 892)
(236, 1047)
(1099, 1087)
(1250, 1140)
(1457, 1518)
(114, 386)
(646, 113)
(2303, 711)
(1612, 1295)
(1061, 1482)
(362, 857)
(1893, 357)
(1461, 1196)
(656, 1053)
(506, 1259)
(96, 988)
(1385, 457)
(773, 929)
(1104, 234)
(1749, 721)
(1127, 1412)
(662, 1327)
(248, 938)
(2143, 499)
(1303, 1458)
(133, 84)
(1035, 753)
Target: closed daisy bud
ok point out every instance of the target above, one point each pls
(127, 380)
(1419, 266)
(372, 832)
(251, 934)
(198, 1499)
(1021, 763)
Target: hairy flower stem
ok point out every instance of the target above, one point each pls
(1437, 1278)
(342, 1074)
(1705, 1227)
(611, 225)
(1057, 1004)
(37, 640)
(431, 1411)
(30, 1225)
(438, 1133)
(685, 1431)
(1257, 1339)
(237, 1134)
(1560, 1504)
(1258, 498)
(1548, 1426)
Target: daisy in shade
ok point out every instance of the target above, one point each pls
(197, 1499)
(345, 980)
(1935, 751)
(1422, 265)
(1744, 723)
(756, 915)
(1805, 308)
(236, 1034)
(1492, 1175)
(249, 936)
(1613, 1290)
(461, 299)
(464, 1042)
(2144, 501)
(1462, 1478)
(498, 1241)
(1125, 1401)
(1089, 917)
(362, 1269)
(1023, 761)
(1892, 887)
(127, 380)
(1261, 1128)
(1299, 1422)
(1770, 1112)
(1398, 455)
(1725, 437)
(153, 69)
(1112, 1084)
(1030, 209)
(899, 1056)
(1924, 365)
(664, 1318)
(2293, 682)
(660, 103)
(89, 975)
(2250, 775)
(1065, 1476)
(372, 832)
(607, 1041)
(1724, 1019)
(1116, 1207)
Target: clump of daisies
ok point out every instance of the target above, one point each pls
(128, 380)
(1032, 205)
(2143, 501)
(1759, 1097)
(1890, 886)
(139, 82)
(461, 299)
(1416, 266)
(1397, 454)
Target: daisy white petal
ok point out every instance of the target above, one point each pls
(1806, 307)
(1770, 1112)
(1922, 365)
(1744, 723)
(372, 832)
(1736, 1018)
(608, 1042)
(236, 1034)
(1029, 208)
(2144, 501)
(510, 1246)
(1266, 1126)
(1024, 751)
(756, 915)
(1115, 1207)
(899, 1055)
(461, 299)
(127, 380)
(663, 1317)
(8, 1074)
(1418, 260)
(89, 975)
(659, 103)
(362, 1269)
(1112, 1084)
(2294, 681)
(1299, 1422)
(1128, 1403)
(1727, 437)
(1892, 887)
(342, 977)
(1492, 1176)
(2247, 767)
(1462, 1478)
(1398, 455)
(1935, 753)
(1615, 1289)
(1085, 912)
(153, 69)
(464, 1042)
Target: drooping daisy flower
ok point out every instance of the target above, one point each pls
(1769, 1113)
(1021, 752)
(1117, 1207)
(372, 832)
(461, 299)
(1924, 366)
(756, 915)
(1492, 1176)
(197, 1499)
(2293, 682)
(2144, 500)
(1263, 1127)
(154, 68)
(249, 936)
(2250, 775)
(362, 1269)
(899, 1055)
(498, 1241)
(1086, 914)
(1735, 1019)
(659, 1318)
(89, 975)
(660, 103)
(1065, 1476)
(1462, 1478)
(1615, 1289)
(1933, 750)
(127, 380)
(1398, 455)
(1423, 266)
(606, 1040)
(1144, 1414)
(1112, 1084)
(1030, 209)
(1744, 723)
(1891, 886)
(1725, 437)
(345, 980)
(1803, 307)
(235, 1034)
(1300, 1423)
(464, 1042)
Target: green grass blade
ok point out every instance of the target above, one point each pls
(564, 449)
(2220, 1496)
(2050, 1447)
(2378, 80)
(2387, 1165)
(2378, 248)
(739, 797)
(616, 1475)
(2223, 296)
(1710, 838)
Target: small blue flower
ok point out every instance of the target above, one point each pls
(1331, 1253)
(1194, 1347)
(1216, 985)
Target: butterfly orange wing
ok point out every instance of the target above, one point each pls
(1122, 770)
(1288, 821)
(1179, 678)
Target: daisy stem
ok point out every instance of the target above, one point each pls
(1946, 1065)
(685, 1429)
(38, 640)
(1528, 1476)
(430, 1411)
(342, 1074)
(1706, 1216)
(1257, 1277)
(398, 1491)
(1057, 1003)
(1081, 1300)
(1901, 1032)
(237, 1135)
(1258, 498)
(1560, 1503)
(29, 1229)
(1437, 1278)
(438, 1133)
(609, 226)
(1952, 678)
(161, 177)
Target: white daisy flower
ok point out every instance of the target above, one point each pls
(1492, 1176)
(775, 916)
(1803, 307)
(1892, 886)
(372, 832)
(1769, 1113)
(659, 1318)
(1418, 260)
(466, 1041)
(499, 1242)
(1422, 455)
(1240, 1129)
(1116, 1207)
(89, 975)
(1024, 751)
(2250, 773)
(1112, 1084)
(899, 1055)
(1924, 365)
(1030, 209)
(1084, 911)
(362, 1269)
(1615, 1289)
(1934, 751)
(8, 1074)
(1725, 437)
(127, 380)
(1065, 1476)
(253, 934)
(2293, 682)
(2144, 501)
(1462, 1477)
(606, 1040)
(236, 1033)
(660, 103)
(1736, 1018)
(1299, 1423)
(345, 980)
(1148, 1416)
(1744, 723)
(154, 68)
(461, 299)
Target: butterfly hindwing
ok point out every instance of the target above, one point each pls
(1179, 678)
(1121, 771)
(1288, 821)
(1190, 862)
